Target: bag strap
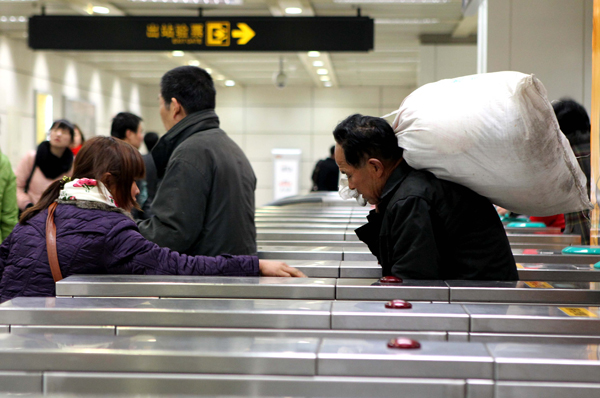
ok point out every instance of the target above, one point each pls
(51, 244)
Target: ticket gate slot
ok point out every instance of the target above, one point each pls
(558, 272)
(196, 287)
(432, 360)
(165, 354)
(293, 314)
(360, 315)
(411, 290)
(524, 292)
(300, 253)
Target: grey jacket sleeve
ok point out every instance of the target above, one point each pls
(179, 205)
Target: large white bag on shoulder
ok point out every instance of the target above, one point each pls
(496, 134)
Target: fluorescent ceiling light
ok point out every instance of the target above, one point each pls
(322, 71)
(293, 10)
(100, 10)
(209, 71)
(324, 78)
(221, 2)
(406, 21)
(314, 54)
(229, 83)
(318, 63)
(178, 53)
(193, 62)
(394, 1)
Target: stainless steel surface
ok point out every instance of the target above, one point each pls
(287, 333)
(196, 287)
(360, 269)
(552, 257)
(18, 383)
(146, 353)
(261, 226)
(375, 316)
(558, 272)
(432, 360)
(329, 243)
(4, 328)
(533, 338)
(513, 389)
(458, 336)
(477, 388)
(260, 219)
(371, 289)
(539, 231)
(351, 236)
(546, 362)
(78, 329)
(533, 319)
(255, 386)
(579, 293)
(532, 245)
(300, 314)
(299, 234)
(565, 239)
(316, 268)
(300, 252)
(358, 254)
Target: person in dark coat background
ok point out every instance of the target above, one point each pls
(326, 175)
(95, 233)
(421, 226)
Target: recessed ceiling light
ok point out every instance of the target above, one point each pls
(393, 1)
(219, 77)
(324, 78)
(229, 83)
(178, 53)
(100, 10)
(322, 71)
(318, 63)
(327, 84)
(193, 62)
(293, 10)
(208, 70)
(314, 54)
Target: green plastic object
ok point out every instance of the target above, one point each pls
(511, 219)
(597, 265)
(526, 225)
(590, 250)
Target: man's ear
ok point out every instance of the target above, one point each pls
(176, 109)
(129, 133)
(375, 167)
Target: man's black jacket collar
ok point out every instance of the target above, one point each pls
(191, 124)
(392, 183)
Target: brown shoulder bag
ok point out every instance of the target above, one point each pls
(51, 243)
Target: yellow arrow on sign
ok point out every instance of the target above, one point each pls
(244, 33)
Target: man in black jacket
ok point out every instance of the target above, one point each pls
(422, 227)
(204, 203)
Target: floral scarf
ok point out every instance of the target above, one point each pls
(86, 189)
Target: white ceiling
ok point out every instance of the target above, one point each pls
(394, 60)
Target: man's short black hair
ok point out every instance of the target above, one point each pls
(363, 137)
(191, 86)
(122, 122)
(150, 139)
(332, 150)
(572, 116)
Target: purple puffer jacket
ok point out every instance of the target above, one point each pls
(93, 238)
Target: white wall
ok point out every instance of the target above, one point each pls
(23, 71)
(260, 118)
(549, 38)
(446, 61)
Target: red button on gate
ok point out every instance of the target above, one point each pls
(403, 343)
(398, 304)
(390, 279)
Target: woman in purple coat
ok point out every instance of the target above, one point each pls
(95, 233)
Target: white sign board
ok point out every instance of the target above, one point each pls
(286, 172)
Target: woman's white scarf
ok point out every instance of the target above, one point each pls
(87, 189)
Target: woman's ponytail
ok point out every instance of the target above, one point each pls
(48, 197)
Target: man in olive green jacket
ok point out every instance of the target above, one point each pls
(9, 212)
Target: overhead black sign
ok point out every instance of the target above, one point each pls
(201, 34)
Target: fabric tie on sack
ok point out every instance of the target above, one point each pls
(87, 189)
(51, 165)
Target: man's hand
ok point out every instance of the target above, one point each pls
(278, 268)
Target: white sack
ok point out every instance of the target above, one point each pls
(496, 134)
